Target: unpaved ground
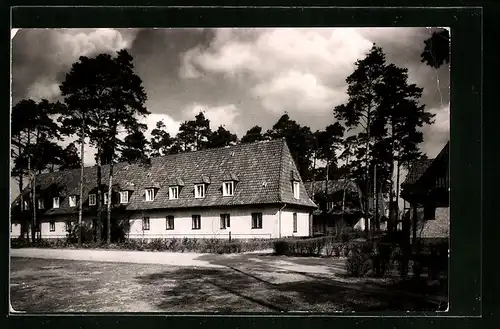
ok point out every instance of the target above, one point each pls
(250, 282)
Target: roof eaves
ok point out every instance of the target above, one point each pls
(283, 145)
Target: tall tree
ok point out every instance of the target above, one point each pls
(403, 116)
(33, 130)
(300, 140)
(82, 115)
(135, 148)
(70, 158)
(222, 137)
(161, 141)
(437, 49)
(328, 143)
(108, 94)
(362, 109)
(254, 134)
(194, 134)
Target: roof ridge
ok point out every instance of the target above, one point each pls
(275, 140)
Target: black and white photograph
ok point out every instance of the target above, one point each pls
(229, 170)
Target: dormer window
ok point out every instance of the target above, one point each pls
(296, 190)
(228, 188)
(199, 191)
(40, 204)
(92, 200)
(72, 200)
(150, 194)
(106, 198)
(173, 192)
(55, 202)
(124, 197)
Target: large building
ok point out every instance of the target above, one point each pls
(249, 191)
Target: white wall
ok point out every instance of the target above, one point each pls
(241, 224)
(287, 222)
(15, 230)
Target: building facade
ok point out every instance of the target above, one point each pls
(244, 191)
(426, 195)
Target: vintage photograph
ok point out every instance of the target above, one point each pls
(230, 170)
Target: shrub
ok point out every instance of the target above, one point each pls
(281, 247)
(359, 264)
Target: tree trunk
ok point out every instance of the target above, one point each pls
(34, 203)
(367, 187)
(23, 224)
(82, 164)
(110, 194)
(31, 198)
(398, 167)
(99, 197)
(392, 220)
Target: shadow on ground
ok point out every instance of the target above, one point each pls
(252, 282)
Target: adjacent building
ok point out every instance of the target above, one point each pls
(247, 191)
(339, 204)
(426, 195)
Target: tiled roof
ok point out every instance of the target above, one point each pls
(417, 169)
(320, 186)
(261, 174)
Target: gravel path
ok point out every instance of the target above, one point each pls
(117, 256)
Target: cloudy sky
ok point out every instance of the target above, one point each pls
(239, 77)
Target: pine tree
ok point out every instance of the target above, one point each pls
(254, 134)
(161, 141)
(106, 94)
(222, 137)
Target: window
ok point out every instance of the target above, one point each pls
(124, 197)
(173, 192)
(145, 224)
(196, 222)
(26, 205)
(92, 200)
(294, 222)
(257, 220)
(106, 198)
(40, 204)
(170, 222)
(150, 194)
(199, 191)
(52, 226)
(228, 188)
(55, 202)
(225, 221)
(296, 190)
(329, 205)
(72, 201)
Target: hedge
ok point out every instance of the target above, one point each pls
(214, 245)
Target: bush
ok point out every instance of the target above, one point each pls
(358, 263)
(281, 247)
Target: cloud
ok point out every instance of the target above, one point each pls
(297, 70)
(224, 115)
(296, 90)
(303, 71)
(437, 134)
(39, 56)
(172, 126)
(43, 89)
